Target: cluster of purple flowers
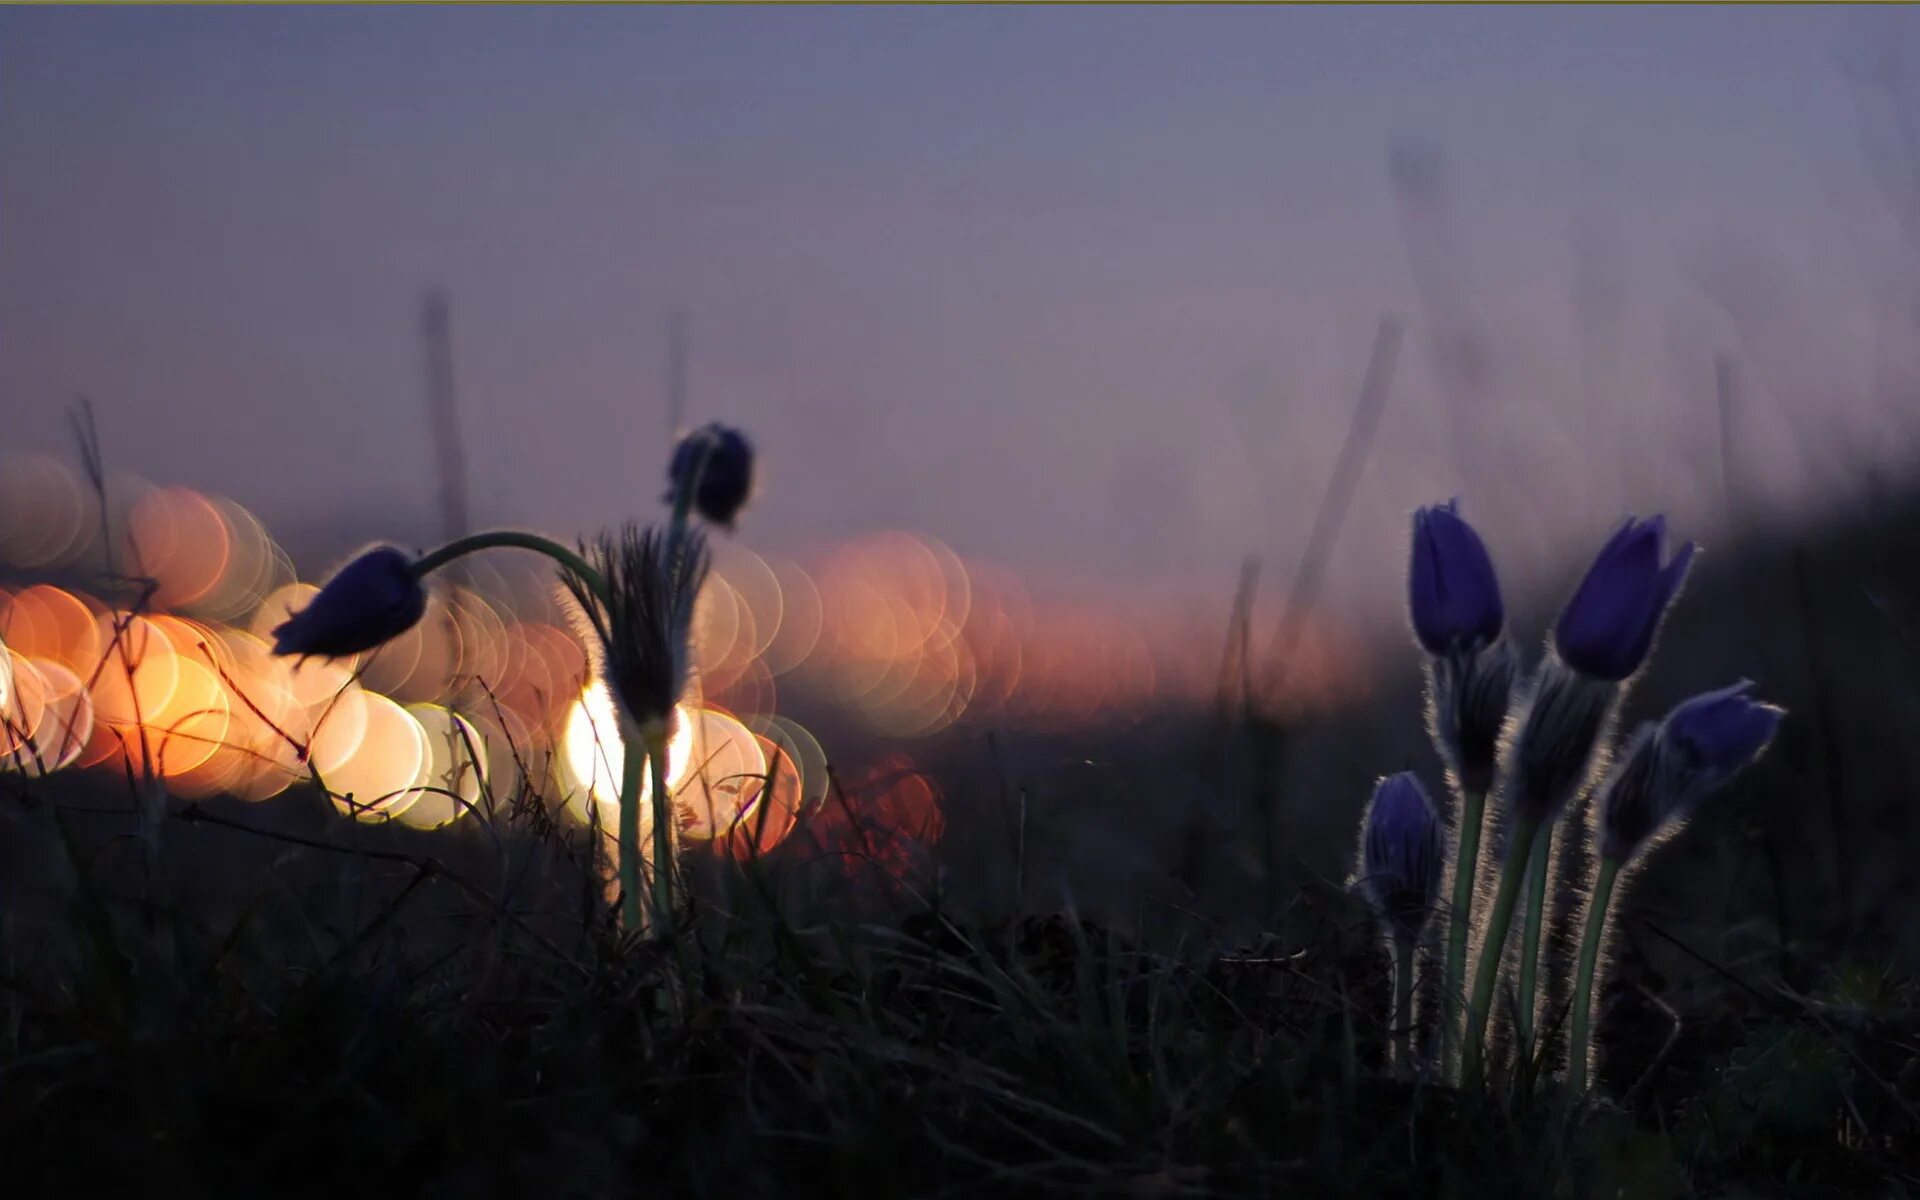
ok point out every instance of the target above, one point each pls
(1535, 745)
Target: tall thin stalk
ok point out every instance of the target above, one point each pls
(1531, 932)
(1473, 807)
(1487, 972)
(1598, 913)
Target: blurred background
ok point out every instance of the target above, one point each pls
(1056, 331)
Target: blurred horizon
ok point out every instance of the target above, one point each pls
(1088, 296)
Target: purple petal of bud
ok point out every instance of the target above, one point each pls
(1669, 769)
(1453, 594)
(373, 599)
(1401, 855)
(1607, 628)
(726, 482)
(1714, 735)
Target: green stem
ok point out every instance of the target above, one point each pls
(1403, 1008)
(1488, 970)
(631, 762)
(1597, 914)
(1530, 935)
(655, 737)
(1473, 807)
(498, 539)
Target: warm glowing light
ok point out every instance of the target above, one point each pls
(593, 757)
(720, 785)
(380, 778)
(454, 773)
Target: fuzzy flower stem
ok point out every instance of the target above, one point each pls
(1530, 934)
(1487, 973)
(499, 539)
(1597, 914)
(1403, 1008)
(630, 913)
(1473, 807)
(655, 738)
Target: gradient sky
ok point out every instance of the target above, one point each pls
(1086, 290)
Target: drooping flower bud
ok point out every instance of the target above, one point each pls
(1401, 855)
(1607, 629)
(1453, 595)
(726, 478)
(643, 629)
(372, 600)
(1667, 770)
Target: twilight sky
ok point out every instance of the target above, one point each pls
(1089, 291)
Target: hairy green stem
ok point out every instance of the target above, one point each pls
(1473, 807)
(1530, 935)
(1487, 972)
(1597, 914)
(655, 738)
(512, 539)
(630, 800)
(1403, 1008)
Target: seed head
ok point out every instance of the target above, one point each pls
(643, 629)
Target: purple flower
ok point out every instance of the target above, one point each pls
(1607, 628)
(371, 600)
(1452, 592)
(1669, 769)
(726, 481)
(1712, 736)
(1401, 854)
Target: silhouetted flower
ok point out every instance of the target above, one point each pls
(1452, 593)
(373, 599)
(1401, 855)
(643, 629)
(1669, 769)
(1608, 627)
(726, 480)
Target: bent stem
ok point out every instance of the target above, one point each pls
(1530, 935)
(512, 539)
(655, 739)
(1597, 913)
(1488, 970)
(1473, 807)
(1403, 1007)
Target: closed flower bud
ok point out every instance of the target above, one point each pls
(1401, 855)
(1607, 629)
(1669, 769)
(372, 600)
(726, 479)
(1452, 593)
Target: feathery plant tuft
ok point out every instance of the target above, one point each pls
(638, 595)
(642, 624)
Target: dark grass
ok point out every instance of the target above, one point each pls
(1085, 989)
